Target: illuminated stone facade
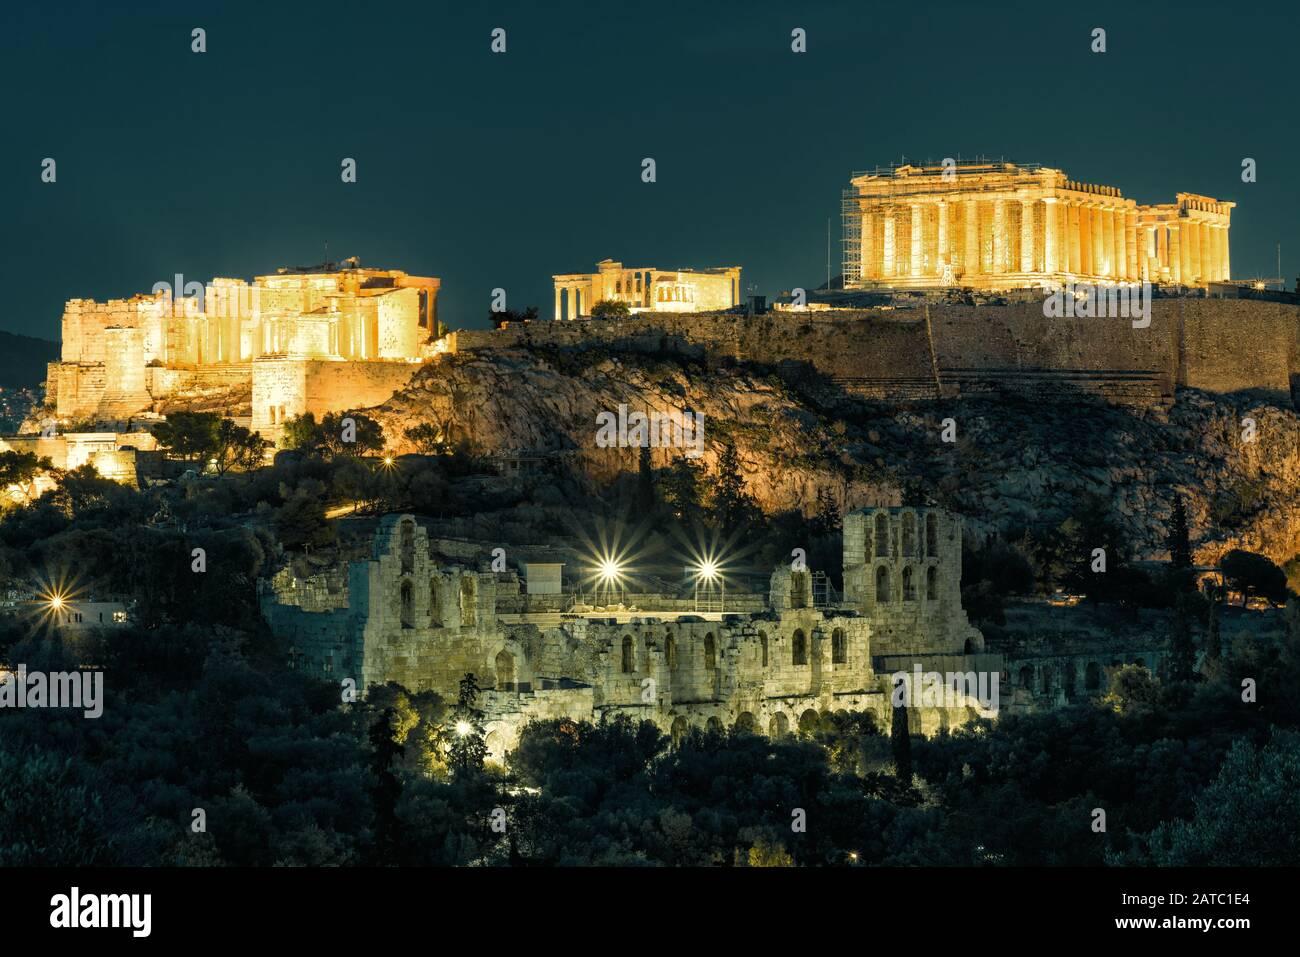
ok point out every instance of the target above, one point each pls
(646, 289)
(400, 617)
(128, 356)
(1002, 226)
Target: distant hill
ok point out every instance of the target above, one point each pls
(23, 359)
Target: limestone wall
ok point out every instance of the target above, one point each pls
(1219, 345)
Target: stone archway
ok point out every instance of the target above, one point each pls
(745, 723)
(809, 722)
(681, 727)
(778, 726)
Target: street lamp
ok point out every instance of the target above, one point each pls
(609, 578)
(709, 575)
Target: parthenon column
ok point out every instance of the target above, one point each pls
(971, 235)
(941, 254)
(1177, 251)
(1070, 241)
(914, 265)
(867, 247)
(1207, 253)
(887, 246)
(1198, 251)
(557, 303)
(1098, 249)
(1108, 258)
(1051, 235)
(999, 236)
(1131, 239)
(1026, 236)
(1224, 262)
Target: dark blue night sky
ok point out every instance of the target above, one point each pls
(500, 170)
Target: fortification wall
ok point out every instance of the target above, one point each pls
(288, 387)
(1221, 345)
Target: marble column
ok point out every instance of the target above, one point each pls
(914, 264)
(971, 235)
(1109, 262)
(557, 304)
(1026, 236)
(941, 241)
(887, 246)
(1131, 238)
(1000, 231)
(868, 247)
(1177, 251)
(1225, 263)
(1051, 235)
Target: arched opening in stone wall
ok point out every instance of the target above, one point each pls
(778, 726)
(882, 535)
(967, 648)
(1070, 679)
(931, 536)
(495, 744)
(680, 727)
(1047, 680)
(839, 651)
(505, 665)
(629, 655)
(809, 723)
(800, 590)
(1092, 677)
(932, 583)
(882, 585)
(745, 722)
(408, 605)
(408, 546)
(1027, 677)
(670, 649)
(909, 534)
(435, 616)
(762, 640)
(799, 647)
(468, 599)
(710, 653)
(713, 725)
(909, 583)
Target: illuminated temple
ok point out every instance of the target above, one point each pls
(1003, 226)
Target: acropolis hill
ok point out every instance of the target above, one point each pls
(922, 245)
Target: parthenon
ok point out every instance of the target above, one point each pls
(1003, 226)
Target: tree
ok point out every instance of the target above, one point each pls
(827, 521)
(681, 490)
(337, 433)
(464, 734)
(189, 436)
(610, 309)
(429, 438)
(732, 505)
(1246, 572)
(900, 740)
(645, 482)
(387, 787)
(238, 448)
(300, 522)
(1182, 653)
(21, 469)
(1213, 641)
(1091, 528)
(1180, 544)
(1249, 816)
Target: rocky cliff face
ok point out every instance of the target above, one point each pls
(1016, 461)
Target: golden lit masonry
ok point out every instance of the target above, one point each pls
(646, 289)
(1003, 226)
